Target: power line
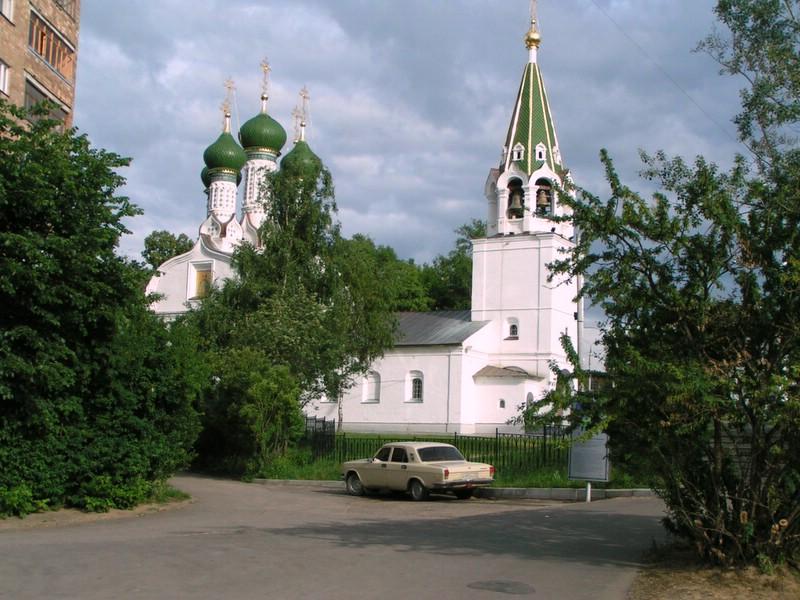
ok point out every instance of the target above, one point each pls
(671, 78)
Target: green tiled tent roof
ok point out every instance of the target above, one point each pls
(532, 124)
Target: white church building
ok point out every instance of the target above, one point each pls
(448, 372)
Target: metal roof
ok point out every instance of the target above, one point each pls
(441, 328)
(504, 372)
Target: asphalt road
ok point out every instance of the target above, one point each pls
(243, 541)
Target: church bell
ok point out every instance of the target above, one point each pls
(515, 208)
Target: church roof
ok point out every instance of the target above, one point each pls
(532, 125)
(504, 373)
(531, 142)
(441, 328)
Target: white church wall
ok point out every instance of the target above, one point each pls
(178, 278)
(396, 411)
(498, 402)
(540, 310)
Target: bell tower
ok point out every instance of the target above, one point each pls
(522, 190)
(510, 285)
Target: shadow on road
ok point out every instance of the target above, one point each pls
(569, 534)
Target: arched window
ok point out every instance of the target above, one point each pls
(512, 325)
(541, 152)
(502, 403)
(516, 199)
(518, 153)
(416, 386)
(544, 198)
(372, 388)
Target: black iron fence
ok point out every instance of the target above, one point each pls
(507, 452)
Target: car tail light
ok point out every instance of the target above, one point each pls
(446, 473)
(491, 471)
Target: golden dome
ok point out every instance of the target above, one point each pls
(533, 38)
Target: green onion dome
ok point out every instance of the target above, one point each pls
(262, 132)
(300, 159)
(225, 154)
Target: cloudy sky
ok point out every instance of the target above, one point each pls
(410, 99)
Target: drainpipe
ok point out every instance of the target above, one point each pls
(579, 285)
(447, 418)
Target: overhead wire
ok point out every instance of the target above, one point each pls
(674, 82)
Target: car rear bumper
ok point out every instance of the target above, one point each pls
(464, 484)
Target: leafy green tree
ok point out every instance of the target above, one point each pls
(701, 289)
(97, 396)
(252, 412)
(306, 301)
(162, 245)
(761, 48)
(403, 279)
(449, 278)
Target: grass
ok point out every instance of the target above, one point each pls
(298, 465)
(164, 493)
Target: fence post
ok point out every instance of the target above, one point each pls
(496, 458)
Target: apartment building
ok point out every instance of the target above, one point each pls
(39, 53)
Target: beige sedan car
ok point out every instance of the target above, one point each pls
(417, 468)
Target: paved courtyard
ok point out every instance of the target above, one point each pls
(243, 541)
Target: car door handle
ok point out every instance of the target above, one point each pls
(404, 467)
(383, 466)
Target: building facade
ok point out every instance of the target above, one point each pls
(455, 371)
(39, 53)
(470, 372)
(183, 281)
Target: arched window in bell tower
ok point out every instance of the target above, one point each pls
(544, 198)
(516, 199)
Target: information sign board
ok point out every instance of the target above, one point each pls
(588, 460)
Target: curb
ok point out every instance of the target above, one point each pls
(562, 494)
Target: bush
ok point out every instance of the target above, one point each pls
(97, 396)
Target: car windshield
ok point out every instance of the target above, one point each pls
(439, 453)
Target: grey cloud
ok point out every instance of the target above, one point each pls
(410, 100)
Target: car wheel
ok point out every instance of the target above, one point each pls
(464, 494)
(417, 490)
(354, 485)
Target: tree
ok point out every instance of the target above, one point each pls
(402, 278)
(701, 290)
(97, 396)
(449, 278)
(252, 412)
(762, 48)
(305, 303)
(162, 245)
